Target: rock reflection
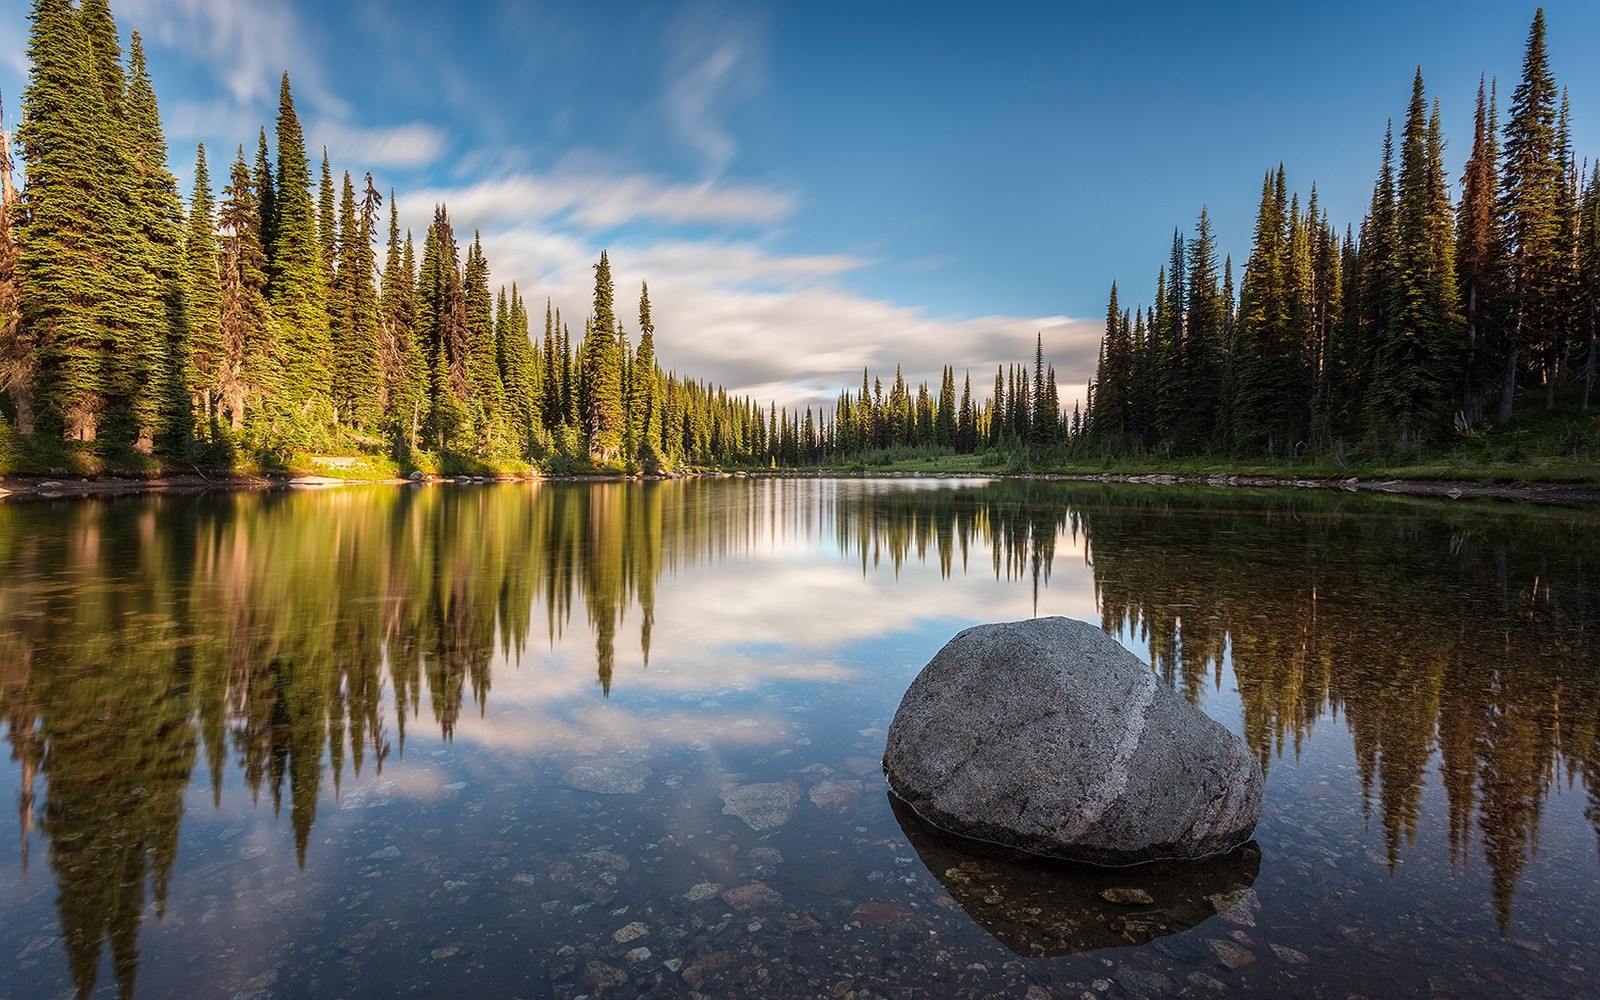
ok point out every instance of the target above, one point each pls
(1038, 908)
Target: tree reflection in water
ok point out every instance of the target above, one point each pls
(299, 635)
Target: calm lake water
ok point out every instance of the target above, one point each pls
(622, 739)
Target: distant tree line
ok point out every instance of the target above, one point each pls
(1428, 321)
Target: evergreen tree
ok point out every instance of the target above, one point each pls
(442, 326)
(1202, 348)
(1044, 419)
(1478, 269)
(966, 421)
(204, 355)
(1379, 263)
(67, 231)
(247, 371)
(297, 287)
(106, 54)
(1266, 355)
(643, 402)
(554, 409)
(603, 416)
(1412, 383)
(328, 232)
(517, 367)
(1530, 198)
(156, 382)
(487, 399)
(18, 352)
(1588, 279)
(404, 366)
(354, 313)
(266, 197)
(944, 433)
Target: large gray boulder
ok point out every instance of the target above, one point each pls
(1047, 736)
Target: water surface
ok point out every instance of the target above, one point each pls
(613, 739)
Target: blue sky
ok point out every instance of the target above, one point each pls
(813, 187)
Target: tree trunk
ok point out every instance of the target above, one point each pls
(1509, 390)
(81, 423)
(1589, 363)
(23, 400)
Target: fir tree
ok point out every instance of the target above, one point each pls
(404, 367)
(297, 288)
(247, 369)
(483, 371)
(204, 355)
(517, 367)
(327, 231)
(155, 382)
(643, 402)
(1530, 199)
(1202, 350)
(67, 231)
(944, 433)
(1478, 269)
(18, 352)
(266, 196)
(1589, 280)
(603, 415)
(442, 325)
(353, 312)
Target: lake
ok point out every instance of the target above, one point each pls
(612, 739)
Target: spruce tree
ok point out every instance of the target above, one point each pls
(603, 416)
(1202, 350)
(643, 403)
(297, 288)
(247, 370)
(266, 197)
(944, 433)
(1265, 357)
(1530, 198)
(327, 229)
(1379, 239)
(18, 352)
(204, 355)
(158, 396)
(403, 367)
(67, 231)
(516, 361)
(487, 399)
(1478, 269)
(353, 312)
(1589, 281)
(966, 421)
(442, 325)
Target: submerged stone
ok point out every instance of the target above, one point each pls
(836, 796)
(762, 806)
(608, 775)
(1048, 736)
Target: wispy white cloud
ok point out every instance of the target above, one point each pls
(773, 325)
(245, 44)
(411, 144)
(713, 61)
(592, 200)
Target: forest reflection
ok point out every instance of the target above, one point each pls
(294, 637)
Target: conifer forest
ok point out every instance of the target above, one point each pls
(279, 307)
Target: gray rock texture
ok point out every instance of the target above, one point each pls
(1047, 736)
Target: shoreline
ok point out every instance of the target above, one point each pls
(61, 487)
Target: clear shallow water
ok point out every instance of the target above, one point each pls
(499, 741)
